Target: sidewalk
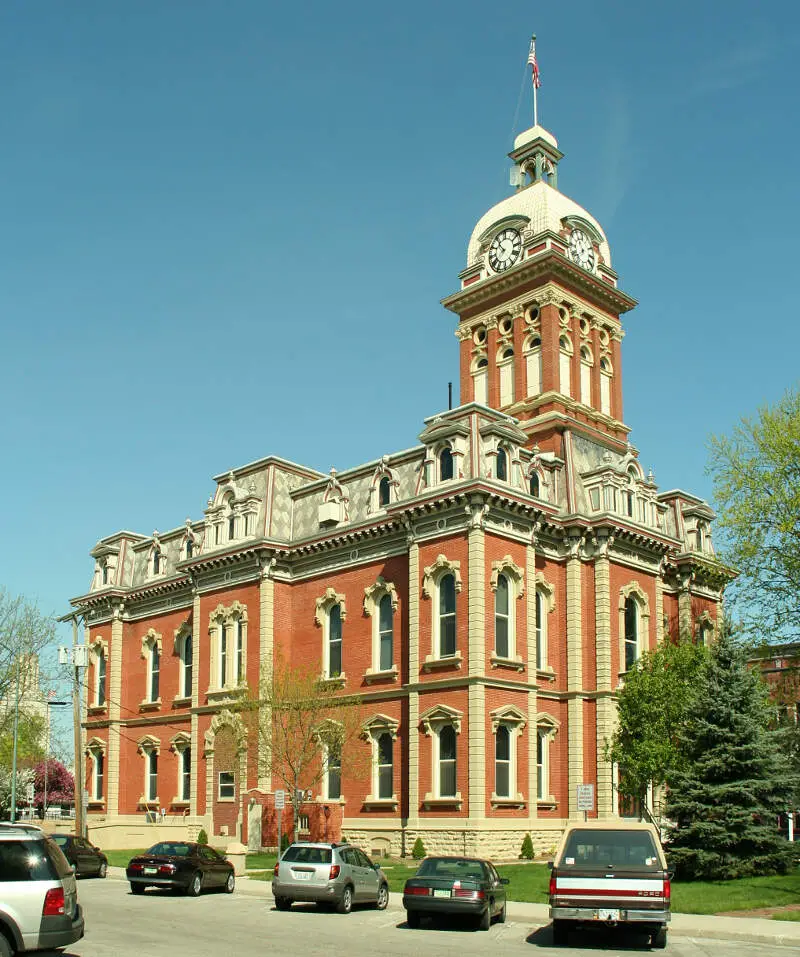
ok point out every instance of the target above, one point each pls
(757, 930)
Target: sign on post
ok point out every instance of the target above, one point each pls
(280, 800)
(585, 794)
(280, 804)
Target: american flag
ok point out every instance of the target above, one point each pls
(51, 694)
(537, 80)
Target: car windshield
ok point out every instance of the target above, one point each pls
(305, 854)
(610, 849)
(451, 868)
(166, 849)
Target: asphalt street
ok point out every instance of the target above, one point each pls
(239, 925)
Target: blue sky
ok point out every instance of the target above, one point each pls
(226, 229)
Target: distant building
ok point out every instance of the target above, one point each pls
(32, 701)
(485, 591)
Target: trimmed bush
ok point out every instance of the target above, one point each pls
(526, 853)
(202, 837)
(418, 851)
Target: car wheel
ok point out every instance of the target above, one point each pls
(102, 870)
(560, 933)
(345, 905)
(5, 946)
(230, 883)
(485, 921)
(659, 940)
(501, 917)
(412, 919)
(137, 888)
(383, 897)
(195, 885)
(282, 903)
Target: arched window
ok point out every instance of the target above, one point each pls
(699, 538)
(333, 772)
(239, 673)
(480, 389)
(534, 484)
(385, 633)
(447, 761)
(154, 672)
(502, 762)
(97, 776)
(586, 375)
(186, 666)
(100, 664)
(533, 365)
(105, 573)
(631, 632)
(502, 465)
(334, 644)
(156, 561)
(185, 783)
(447, 616)
(384, 491)
(605, 386)
(385, 766)
(502, 618)
(223, 654)
(564, 364)
(231, 527)
(151, 775)
(446, 464)
(541, 630)
(506, 369)
(189, 548)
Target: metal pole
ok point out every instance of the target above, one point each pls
(14, 758)
(76, 721)
(46, 759)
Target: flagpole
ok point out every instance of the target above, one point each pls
(535, 103)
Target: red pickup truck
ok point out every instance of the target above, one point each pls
(610, 873)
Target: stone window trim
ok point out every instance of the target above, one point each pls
(178, 745)
(432, 722)
(98, 647)
(634, 590)
(94, 747)
(514, 720)
(322, 617)
(151, 641)
(324, 604)
(382, 471)
(146, 745)
(431, 577)
(516, 578)
(181, 634)
(373, 594)
(326, 742)
(180, 741)
(230, 616)
(372, 730)
(546, 729)
(546, 591)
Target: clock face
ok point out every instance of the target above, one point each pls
(581, 250)
(505, 249)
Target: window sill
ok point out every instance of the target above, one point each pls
(97, 709)
(515, 664)
(370, 676)
(150, 705)
(222, 800)
(377, 804)
(148, 804)
(324, 800)
(547, 804)
(338, 681)
(179, 802)
(500, 802)
(181, 702)
(432, 663)
(545, 674)
(432, 802)
(218, 694)
(97, 803)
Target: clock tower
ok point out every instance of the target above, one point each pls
(539, 309)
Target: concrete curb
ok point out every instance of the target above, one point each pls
(757, 930)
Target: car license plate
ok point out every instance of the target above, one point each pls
(608, 915)
(150, 870)
(438, 893)
(302, 875)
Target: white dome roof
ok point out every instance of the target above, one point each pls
(544, 206)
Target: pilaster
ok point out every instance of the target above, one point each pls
(413, 677)
(197, 654)
(477, 752)
(574, 675)
(114, 701)
(605, 707)
(533, 699)
(266, 594)
(476, 596)
(659, 608)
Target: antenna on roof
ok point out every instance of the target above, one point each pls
(449, 395)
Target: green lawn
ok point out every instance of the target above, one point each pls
(787, 915)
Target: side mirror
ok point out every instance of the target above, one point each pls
(504, 880)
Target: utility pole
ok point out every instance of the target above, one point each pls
(76, 721)
(14, 757)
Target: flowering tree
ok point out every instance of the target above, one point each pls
(60, 783)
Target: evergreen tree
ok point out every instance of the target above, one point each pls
(734, 779)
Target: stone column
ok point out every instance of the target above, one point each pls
(685, 605)
(533, 700)
(477, 638)
(413, 679)
(605, 702)
(266, 655)
(114, 700)
(574, 675)
(195, 727)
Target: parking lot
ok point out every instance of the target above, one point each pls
(161, 925)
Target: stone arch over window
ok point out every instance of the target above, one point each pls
(587, 363)
(544, 605)
(96, 751)
(183, 649)
(634, 624)
(227, 629)
(181, 746)
(505, 372)
(381, 732)
(441, 582)
(532, 351)
(330, 615)
(151, 652)
(380, 604)
(383, 487)
(479, 369)
(149, 747)
(507, 583)
(445, 462)
(564, 364)
(156, 559)
(442, 724)
(226, 720)
(546, 729)
(508, 722)
(98, 655)
(606, 375)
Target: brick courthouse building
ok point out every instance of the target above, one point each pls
(484, 592)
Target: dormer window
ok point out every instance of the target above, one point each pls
(534, 484)
(384, 491)
(105, 573)
(446, 464)
(156, 561)
(189, 548)
(501, 467)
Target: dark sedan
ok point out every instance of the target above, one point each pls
(88, 860)
(453, 887)
(181, 867)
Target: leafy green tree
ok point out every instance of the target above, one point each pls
(652, 709)
(756, 476)
(526, 852)
(418, 850)
(734, 777)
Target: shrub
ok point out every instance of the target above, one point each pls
(202, 837)
(526, 853)
(418, 851)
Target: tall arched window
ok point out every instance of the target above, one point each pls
(223, 654)
(447, 761)
(189, 548)
(505, 366)
(100, 664)
(239, 660)
(385, 634)
(97, 777)
(605, 386)
(384, 491)
(502, 762)
(631, 632)
(185, 774)
(156, 561)
(385, 766)
(445, 464)
(541, 631)
(334, 647)
(105, 573)
(502, 618)
(186, 666)
(586, 375)
(154, 672)
(534, 484)
(480, 383)
(151, 774)
(447, 616)
(564, 365)
(333, 772)
(501, 467)
(533, 365)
